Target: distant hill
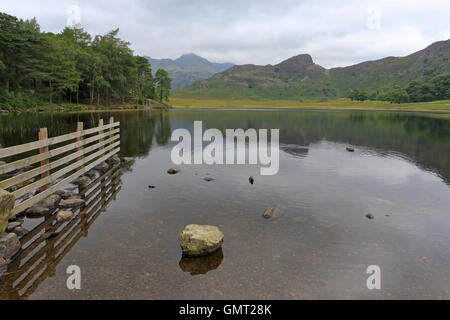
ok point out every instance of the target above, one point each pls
(300, 78)
(187, 69)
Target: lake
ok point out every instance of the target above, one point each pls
(319, 244)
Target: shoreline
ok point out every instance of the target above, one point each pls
(442, 107)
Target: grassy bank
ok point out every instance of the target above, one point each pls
(342, 104)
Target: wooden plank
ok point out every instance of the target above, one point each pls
(11, 151)
(100, 124)
(52, 177)
(19, 164)
(43, 135)
(29, 202)
(54, 164)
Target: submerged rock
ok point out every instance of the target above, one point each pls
(370, 216)
(151, 187)
(81, 181)
(114, 159)
(71, 203)
(173, 171)
(70, 195)
(12, 225)
(208, 179)
(199, 240)
(20, 231)
(51, 201)
(127, 160)
(37, 211)
(3, 266)
(269, 212)
(91, 174)
(9, 245)
(63, 216)
(103, 166)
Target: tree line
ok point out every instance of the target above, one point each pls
(436, 88)
(40, 68)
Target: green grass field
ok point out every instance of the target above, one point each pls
(340, 104)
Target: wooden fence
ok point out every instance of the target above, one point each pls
(60, 160)
(40, 256)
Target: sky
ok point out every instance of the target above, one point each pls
(334, 32)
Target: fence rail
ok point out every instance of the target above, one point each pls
(40, 256)
(51, 169)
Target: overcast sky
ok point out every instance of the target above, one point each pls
(334, 32)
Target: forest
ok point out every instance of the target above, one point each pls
(436, 88)
(42, 68)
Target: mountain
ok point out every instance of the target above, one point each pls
(299, 77)
(187, 69)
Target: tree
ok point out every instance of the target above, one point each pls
(420, 91)
(441, 85)
(397, 95)
(163, 85)
(36, 67)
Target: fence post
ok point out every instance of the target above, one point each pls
(6, 205)
(111, 121)
(80, 139)
(100, 124)
(43, 135)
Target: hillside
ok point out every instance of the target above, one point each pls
(187, 69)
(300, 78)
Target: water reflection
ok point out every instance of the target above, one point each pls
(40, 255)
(201, 265)
(420, 138)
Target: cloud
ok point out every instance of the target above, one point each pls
(259, 32)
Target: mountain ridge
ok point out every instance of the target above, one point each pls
(299, 77)
(187, 69)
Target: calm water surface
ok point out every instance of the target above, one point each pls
(320, 243)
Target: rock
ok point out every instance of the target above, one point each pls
(6, 204)
(269, 212)
(9, 245)
(81, 181)
(37, 211)
(173, 171)
(3, 266)
(208, 179)
(71, 203)
(127, 159)
(49, 235)
(63, 216)
(370, 216)
(103, 166)
(201, 265)
(12, 225)
(349, 149)
(20, 231)
(200, 240)
(251, 180)
(114, 159)
(70, 195)
(59, 192)
(51, 201)
(91, 174)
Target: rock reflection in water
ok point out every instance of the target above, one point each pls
(202, 265)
